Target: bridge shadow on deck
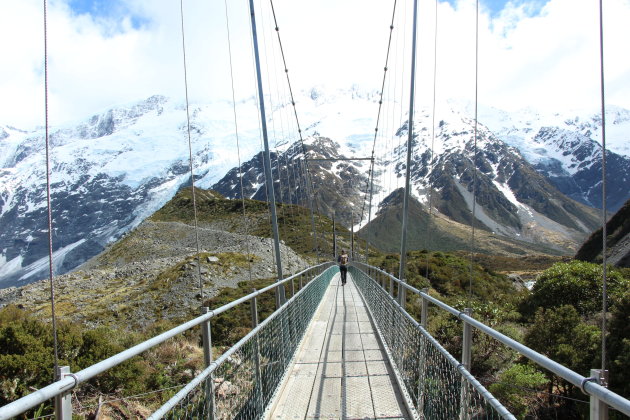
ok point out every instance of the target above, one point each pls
(340, 371)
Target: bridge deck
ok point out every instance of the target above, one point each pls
(341, 370)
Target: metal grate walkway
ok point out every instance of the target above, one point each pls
(341, 370)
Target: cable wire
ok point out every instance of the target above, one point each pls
(238, 149)
(48, 199)
(192, 176)
(309, 179)
(604, 232)
(430, 171)
(474, 160)
(369, 182)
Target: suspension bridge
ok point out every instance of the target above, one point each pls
(349, 351)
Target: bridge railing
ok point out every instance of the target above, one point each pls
(438, 386)
(242, 380)
(401, 331)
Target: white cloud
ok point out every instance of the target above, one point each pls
(544, 59)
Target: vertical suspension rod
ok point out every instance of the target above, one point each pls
(403, 240)
(267, 158)
(48, 201)
(604, 210)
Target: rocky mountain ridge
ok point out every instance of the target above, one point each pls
(112, 170)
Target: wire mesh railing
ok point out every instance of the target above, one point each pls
(419, 369)
(437, 384)
(239, 384)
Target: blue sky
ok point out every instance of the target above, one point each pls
(533, 53)
(108, 9)
(496, 6)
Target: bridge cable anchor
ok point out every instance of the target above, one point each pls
(76, 380)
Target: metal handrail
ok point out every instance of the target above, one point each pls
(463, 371)
(69, 382)
(205, 374)
(586, 384)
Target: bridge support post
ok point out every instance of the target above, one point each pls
(63, 402)
(206, 338)
(464, 396)
(254, 312)
(424, 311)
(402, 295)
(391, 286)
(599, 409)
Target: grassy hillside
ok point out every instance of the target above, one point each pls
(294, 222)
(437, 233)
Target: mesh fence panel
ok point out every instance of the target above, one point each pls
(248, 374)
(435, 382)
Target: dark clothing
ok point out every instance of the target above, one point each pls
(344, 273)
(343, 268)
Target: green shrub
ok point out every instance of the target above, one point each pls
(619, 346)
(516, 389)
(575, 283)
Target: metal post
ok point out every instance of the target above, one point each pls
(301, 281)
(63, 402)
(403, 241)
(467, 341)
(599, 409)
(206, 338)
(267, 158)
(424, 312)
(464, 401)
(402, 295)
(254, 313)
(334, 239)
(352, 236)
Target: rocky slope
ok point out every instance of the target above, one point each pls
(151, 274)
(617, 242)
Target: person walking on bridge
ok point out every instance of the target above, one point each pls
(343, 266)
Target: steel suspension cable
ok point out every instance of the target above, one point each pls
(280, 295)
(48, 200)
(238, 149)
(474, 160)
(369, 182)
(283, 210)
(403, 240)
(192, 176)
(604, 216)
(402, 86)
(309, 181)
(429, 230)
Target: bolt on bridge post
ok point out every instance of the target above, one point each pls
(598, 408)
(206, 337)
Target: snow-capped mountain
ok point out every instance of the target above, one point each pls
(567, 149)
(512, 199)
(112, 170)
(108, 174)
